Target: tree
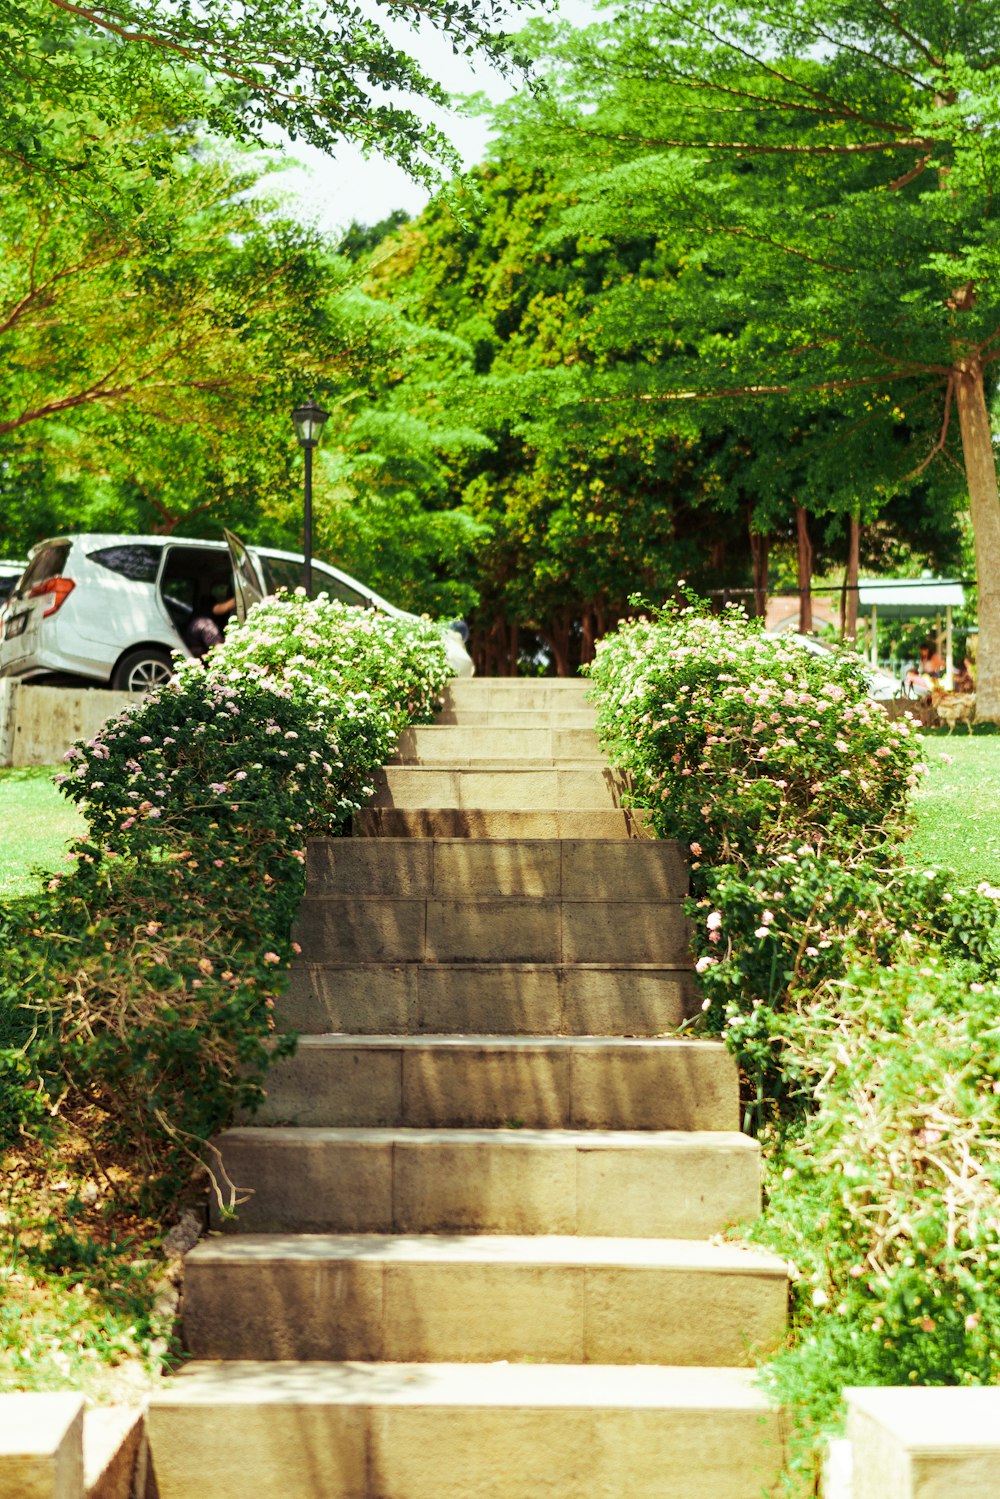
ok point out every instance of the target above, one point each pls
(584, 503)
(71, 70)
(830, 168)
(146, 376)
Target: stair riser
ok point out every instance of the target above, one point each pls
(455, 744)
(394, 999)
(684, 1087)
(365, 1451)
(517, 696)
(529, 868)
(505, 1186)
(519, 718)
(453, 822)
(540, 789)
(456, 1312)
(353, 929)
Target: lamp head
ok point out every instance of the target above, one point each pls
(309, 421)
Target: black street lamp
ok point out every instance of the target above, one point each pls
(308, 421)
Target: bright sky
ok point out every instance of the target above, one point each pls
(334, 191)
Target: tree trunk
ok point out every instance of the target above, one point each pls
(759, 552)
(984, 505)
(513, 651)
(805, 571)
(557, 639)
(850, 613)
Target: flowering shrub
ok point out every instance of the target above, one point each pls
(888, 1202)
(744, 745)
(859, 996)
(151, 969)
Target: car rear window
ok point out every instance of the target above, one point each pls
(137, 562)
(48, 563)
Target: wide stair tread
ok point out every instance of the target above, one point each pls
(513, 999)
(478, 1298)
(455, 1081)
(661, 1184)
(453, 1431)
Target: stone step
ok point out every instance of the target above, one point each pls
(415, 1298)
(582, 717)
(462, 744)
(588, 868)
(600, 1183)
(452, 822)
(505, 999)
(556, 1082)
(925, 1442)
(438, 1431)
(41, 1445)
(517, 693)
(491, 929)
(542, 788)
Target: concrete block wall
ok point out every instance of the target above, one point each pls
(38, 724)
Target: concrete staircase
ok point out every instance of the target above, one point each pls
(479, 1259)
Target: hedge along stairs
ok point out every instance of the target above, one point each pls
(479, 1258)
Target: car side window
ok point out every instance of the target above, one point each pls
(137, 562)
(280, 572)
(327, 582)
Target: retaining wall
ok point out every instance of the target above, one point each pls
(38, 724)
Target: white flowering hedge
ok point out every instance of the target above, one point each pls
(150, 971)
(859, 994)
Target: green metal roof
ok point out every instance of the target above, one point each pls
(910, 598)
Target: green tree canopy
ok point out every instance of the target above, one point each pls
(827, 172)
(322, 73)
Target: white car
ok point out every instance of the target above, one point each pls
(111, 610)
(882, 685)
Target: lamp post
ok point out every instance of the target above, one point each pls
(308, 421)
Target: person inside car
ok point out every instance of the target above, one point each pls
(207, 625)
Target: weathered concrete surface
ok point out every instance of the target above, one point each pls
(114, 1455)
(482, 1298)
(673, 1184)
(41, 1446)
(455, 1082)
(925, 1443)
(38, 724)
(432, 1431)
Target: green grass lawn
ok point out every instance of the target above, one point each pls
(35, 824)
(958, 806)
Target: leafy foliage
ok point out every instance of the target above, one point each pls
(827, 175)
(321, 74)
(149, 973)
(858, 995)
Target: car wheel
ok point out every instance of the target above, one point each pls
(142, 670)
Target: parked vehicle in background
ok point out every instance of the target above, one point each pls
(113, 610)
(883, 687)
(9, 574)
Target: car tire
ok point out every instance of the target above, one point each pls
(143, 669)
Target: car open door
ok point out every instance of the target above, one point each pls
(248, 579)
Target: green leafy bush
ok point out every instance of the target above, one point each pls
(149, 972)
(743, 746)
(887, 1202)
(859, 996)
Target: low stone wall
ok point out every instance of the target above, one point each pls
(51, 1447)
(38, 724)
